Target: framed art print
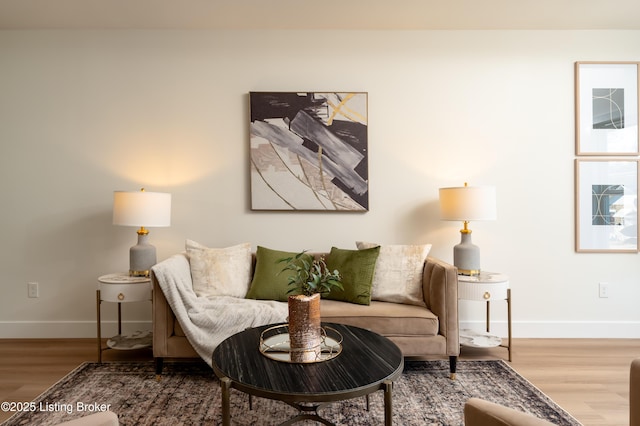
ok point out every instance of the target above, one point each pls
(606, 205)
(308, 151)
(606, 108)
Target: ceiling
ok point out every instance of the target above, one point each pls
(321, 15)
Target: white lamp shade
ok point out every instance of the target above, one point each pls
(468, 203)
(141, 208)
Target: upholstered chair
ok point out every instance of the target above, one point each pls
(478, 412)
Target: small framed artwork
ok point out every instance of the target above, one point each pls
(309, 151)
(606, 108)
(606, 205)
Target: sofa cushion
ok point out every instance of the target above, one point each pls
(270, 282)
(356, 269)
(387, 319)
(398, 274)
(220, 271)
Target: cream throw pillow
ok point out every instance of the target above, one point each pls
(398, 274)
(220, 271)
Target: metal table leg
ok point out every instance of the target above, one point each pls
(388, 402)
(99, 326)
(225, 385)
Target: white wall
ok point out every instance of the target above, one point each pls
(86, 113)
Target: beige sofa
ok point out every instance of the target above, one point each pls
(419, 331)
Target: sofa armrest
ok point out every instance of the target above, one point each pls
(163, 317)
(162, 320)
(440, 288)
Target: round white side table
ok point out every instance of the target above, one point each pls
(486, 287)
(121, 288)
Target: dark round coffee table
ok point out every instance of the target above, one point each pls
(368, 363)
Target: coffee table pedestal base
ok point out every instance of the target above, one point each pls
(307, 412)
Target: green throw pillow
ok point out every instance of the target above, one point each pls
(268, 282)
(356, 268)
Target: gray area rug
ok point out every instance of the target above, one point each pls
(189, 394)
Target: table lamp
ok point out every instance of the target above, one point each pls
(467, 203)
(141, 208)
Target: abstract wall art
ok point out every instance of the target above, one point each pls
(309, 151)
(606, 205)
(607, 108)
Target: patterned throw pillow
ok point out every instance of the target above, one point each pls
(398, 274)
(220, 271)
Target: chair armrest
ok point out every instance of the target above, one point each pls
(634, 393)
(440, 289)
(103, 418)
(478, 412)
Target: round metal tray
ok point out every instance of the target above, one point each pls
(274, 344)
(137, 340)
(478, 339)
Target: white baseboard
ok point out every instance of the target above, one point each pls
(561, 329)
(520, 329)
(66, 329)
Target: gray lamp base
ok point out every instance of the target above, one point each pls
(466, 255)
(142, 257)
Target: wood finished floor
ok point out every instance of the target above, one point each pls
(587, 377)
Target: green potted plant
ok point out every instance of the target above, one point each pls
(309, 278)
(310, 275)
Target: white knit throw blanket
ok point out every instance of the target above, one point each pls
(208, 321)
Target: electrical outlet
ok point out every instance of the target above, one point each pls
(603, 290)
(33, 290)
